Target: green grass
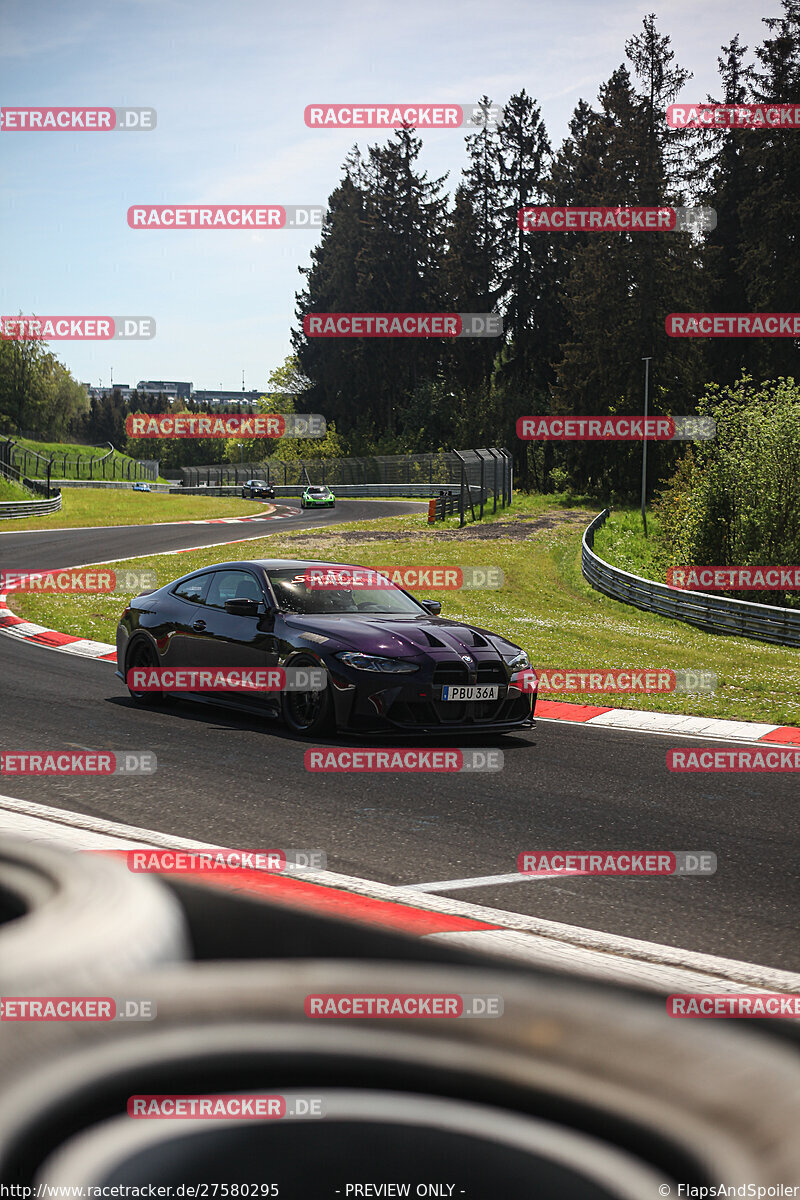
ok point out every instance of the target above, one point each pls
(622, 543)
(12, 491)
(36, 469)
(524, 505)
(99, 506)
(545, 606)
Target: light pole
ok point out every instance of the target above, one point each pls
(646, 362)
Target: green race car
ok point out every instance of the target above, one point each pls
(318, 497)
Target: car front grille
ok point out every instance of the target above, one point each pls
(446, 713)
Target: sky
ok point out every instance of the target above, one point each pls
(230, 82)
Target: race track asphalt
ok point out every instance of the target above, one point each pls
(236, 780)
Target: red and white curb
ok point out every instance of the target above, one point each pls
(548, 944)
(25, 631)
(630, 719)
(672, 724)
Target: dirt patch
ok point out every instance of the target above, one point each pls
(517, 530)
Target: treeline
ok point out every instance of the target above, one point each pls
(285, 385)
(37, 392)
(580, 310)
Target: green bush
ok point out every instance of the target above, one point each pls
(735, 500)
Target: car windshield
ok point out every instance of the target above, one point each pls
(317, 491)
(329, 590)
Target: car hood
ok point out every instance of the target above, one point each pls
(399, 637)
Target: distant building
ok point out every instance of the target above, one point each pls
(170, 388)
(224, 397)
(175, 390)
(97, 393)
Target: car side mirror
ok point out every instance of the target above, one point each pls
(434, 607)
(242, 607)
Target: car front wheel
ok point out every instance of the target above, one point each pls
(308, 713)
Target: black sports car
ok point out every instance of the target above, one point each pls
(392, 662)
(257, 489)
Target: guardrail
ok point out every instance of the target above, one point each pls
(29, 508)
(344, 491)
(446, 504)
(715, 614)
(106, 485)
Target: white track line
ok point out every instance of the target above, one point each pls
(450, 885)
(588, 952)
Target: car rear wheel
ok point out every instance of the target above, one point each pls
(308, 713)
(143, 656)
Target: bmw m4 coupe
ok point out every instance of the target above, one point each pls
(389, 661)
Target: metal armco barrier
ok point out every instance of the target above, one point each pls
(29, 508)
(715, 614)
(446, 504)
(483, 476)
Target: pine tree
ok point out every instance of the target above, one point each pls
(726, 182)
(534, 317)
(770, 261)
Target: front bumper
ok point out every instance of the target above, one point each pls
(381, 704)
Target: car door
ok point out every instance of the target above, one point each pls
(230, 640)
(184, 621)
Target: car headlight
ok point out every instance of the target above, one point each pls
(373, 662)
(519, 661)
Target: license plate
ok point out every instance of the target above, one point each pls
(487, 691)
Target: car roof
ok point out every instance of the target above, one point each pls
(275, 564)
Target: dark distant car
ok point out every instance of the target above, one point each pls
(391, 662)
(318, 497)
(141, 487)
(258, 489)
